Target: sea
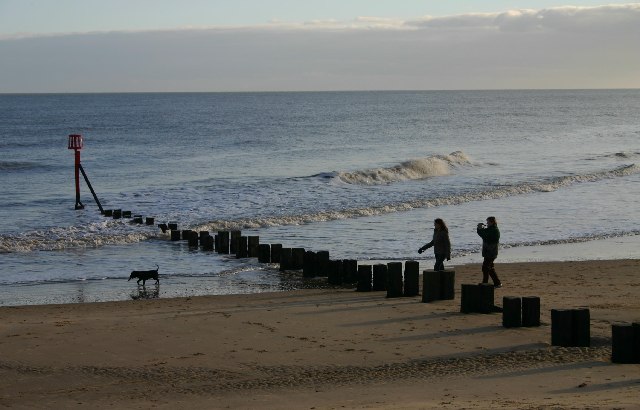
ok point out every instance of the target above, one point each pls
(359, 174)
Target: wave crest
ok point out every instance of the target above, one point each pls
(491, 193)
(91, 236)
(117, 233)
(421, 168)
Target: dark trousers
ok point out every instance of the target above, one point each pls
(489, 270)
(440, 257)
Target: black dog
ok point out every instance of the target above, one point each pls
(143, 275)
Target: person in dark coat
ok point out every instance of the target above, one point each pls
(490, 235)
(440, 242)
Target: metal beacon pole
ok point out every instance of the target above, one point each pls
(76, 143)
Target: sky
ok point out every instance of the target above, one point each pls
(287, 45)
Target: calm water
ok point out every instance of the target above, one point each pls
(361, 174)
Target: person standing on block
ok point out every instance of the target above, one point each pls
(490, 235)
(440, 242)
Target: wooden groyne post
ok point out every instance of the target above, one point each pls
(394, 279)
(570, 327)
(411, 278)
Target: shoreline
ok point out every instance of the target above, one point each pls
(619, 248)
(325, 348)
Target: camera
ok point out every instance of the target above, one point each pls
(481, 225)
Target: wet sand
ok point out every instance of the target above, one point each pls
(325, 348)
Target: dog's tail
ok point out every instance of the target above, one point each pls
(157, 267)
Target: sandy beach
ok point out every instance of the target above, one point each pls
(325, 349)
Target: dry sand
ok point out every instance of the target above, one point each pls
(325, 349)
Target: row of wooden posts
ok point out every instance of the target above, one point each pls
(569, 327)
(120, 214)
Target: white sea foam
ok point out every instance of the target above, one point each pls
(549, 185)
(421, 168)
(89, 236)
(119, 232)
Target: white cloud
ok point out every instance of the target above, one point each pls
(568, 18)
(567, 47)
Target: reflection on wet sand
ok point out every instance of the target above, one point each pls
(144, 293)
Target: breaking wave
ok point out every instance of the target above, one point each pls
(119, 233)
(550, 185)
(421, 168)
(91, 236)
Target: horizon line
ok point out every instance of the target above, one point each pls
(320, 91)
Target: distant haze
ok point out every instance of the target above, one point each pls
(565, 47)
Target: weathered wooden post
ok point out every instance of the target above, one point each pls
(309, 265)
(137, 219)
(264, 253)
(486, 298)
(530, 311)
(276, 252)
(379, 277)
(470, 298)
(334, 272)
(117, 213)
(365, 275)
(350, 271)
(172, 226)
(411, 278)
(108, 212)
(150, 221)
(241, 247)
(636, 341)
(252, 244)
(297, 258)
(223, 242)
(285, 259)
(175, 235)
(233, 241)
(581, 320)
(511, 311)
(192, 239)
(126, 214)
(394, 282)
(431, 286)
(163, 227)
(622, 343)
(561, 327)
(447, 284)
(322, 259)
(207, 243)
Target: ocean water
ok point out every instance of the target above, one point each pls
(360, 174)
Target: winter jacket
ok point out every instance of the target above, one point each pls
(440, 242)
(490, 239)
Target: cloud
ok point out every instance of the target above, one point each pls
(568, 18)
(566, 47)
